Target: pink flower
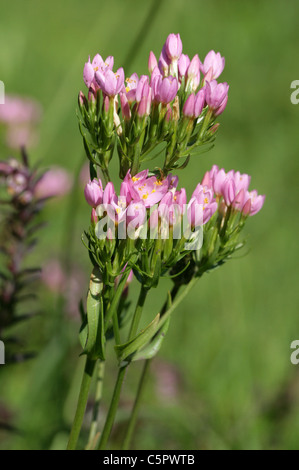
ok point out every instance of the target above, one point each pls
(164, 63)
(188, 109)
(90, 69)
(54, 277)
(212, 66)
(152, 62)
(201, 207)
(132, 84)
(125, 107)
(17, 110)
(173, 47)
(167, 90)
(135, 215)
(193, 74)
(109, 195)
(93, 193)
(110, 83)
(56, 182)
(194, 104)
(149, 190)
(216, 96)
(143, 96)
(183, 65)
(253, 204)
(172, 181)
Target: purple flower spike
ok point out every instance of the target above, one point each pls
(111, 83)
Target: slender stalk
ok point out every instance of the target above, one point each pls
(121, 373)
(98, 398)
(82, 401)
(113, 408)
(138, 312)
(134, 414)
(142, 382)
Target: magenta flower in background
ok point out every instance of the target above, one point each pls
(110, 83)
(55, 182)
(53, 276)
(212, 66)
(17, 110)
(93, 193)
(20, 116)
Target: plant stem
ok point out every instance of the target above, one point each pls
(138, 312)
(113, 408)
(98, 398)
(121, 373)
(82, 401)
(134, 414)
(142, 382)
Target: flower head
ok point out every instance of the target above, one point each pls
(212, 66)
(110, 83)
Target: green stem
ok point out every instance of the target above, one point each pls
(138, 312)
(82, 401)
(98, 398)
(142, 382)
(134, 414)
(121, 374)
(113, 408)
(113, 306)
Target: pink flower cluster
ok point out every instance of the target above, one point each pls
(142, 192)
(173, 71)
(233, 187)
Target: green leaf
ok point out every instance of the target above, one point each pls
(92, 333)
(125, 350)
(154, 346)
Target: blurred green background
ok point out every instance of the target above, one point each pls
(223, 379)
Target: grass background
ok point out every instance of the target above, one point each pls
(225, 366)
